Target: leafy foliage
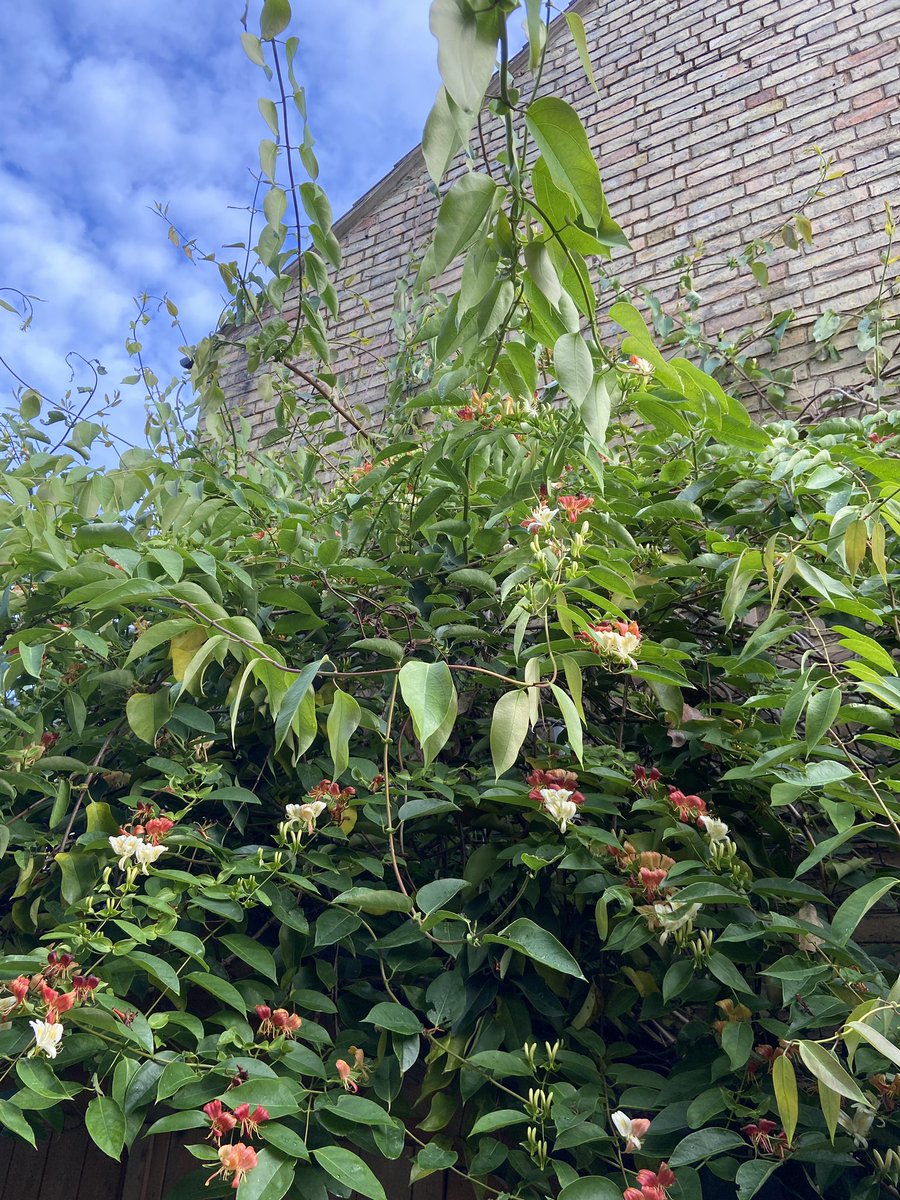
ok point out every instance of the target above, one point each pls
(520, 800)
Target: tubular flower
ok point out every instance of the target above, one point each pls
(250, 1121)
(763, 1137)
(716, 830)
(668, 917)
(555, 777)
(643, 778)
(889, 1091)
(84, 985)
(145, 854)
(221, 1121)
(305, 814)
(236, 1160)
(689, 808)
(47, 1037)
(58, 964)
(616, 639)
(329, 790)
(540, 519)
(125, 846)
(731, 1012)
(858, 1125)
(466, 413)
(19, 988)
(633, 1130)
(633, 365)
(55, 1002)
(345, 1073)
(157, 828)
(7, 1004)
(560, 806)
(264, 1012)
(574, 506)
(286, 1023)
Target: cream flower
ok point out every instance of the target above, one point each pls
(669, 916)
(125, 846)
(633, 1131)
(540, 518)
(7, 1004)
(558, 806)
(716, 830)
(305, 814)
(634, 365)
(146, 854)
(47, 1036)
(858, 1125)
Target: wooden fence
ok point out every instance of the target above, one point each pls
(68, 1166)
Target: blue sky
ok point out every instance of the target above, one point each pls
(111, 106)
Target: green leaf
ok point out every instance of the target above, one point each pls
(376, 901)
(595, 410)
(429, 694)
(174, 1076)
(561, 138)
(592, 1187)
(220, 988)
(500, 1118)
(574, 366)
(445, 129)
(147, 712)
(105, 1122)
(438, 894)
(249, 951)
(179, 1121)
(274, 19)
(509, 728)
(826, 1067)
(11, 1118)
(284, 1139)
(462, 213)
(572, 720)
(292, 700)
(538, 944)
(394, 1017)
(705, 1143)
(784, 1080)
(386, 647)
(270, 1179)
(579, 37)
(32, 658)
(821, 711)
(343, 720)
(737, 1042)
(467, 51)
(350, 1170)
(752, 1175)
(164, 973)
(855, 907)
(877, 1041)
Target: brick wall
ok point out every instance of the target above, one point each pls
(706, 110)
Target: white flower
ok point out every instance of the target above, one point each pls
(808, 941)
(47, 1036)
(125, 846)
(633, 1131)
(540, 518)
(305, 814)
(670, 917)
(636, 366)
(716, 830)
(559, 807)
(146, 854)
(858, 1125)
(7, 1004)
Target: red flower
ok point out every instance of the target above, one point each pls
(250, 1121)
(58, 964)
(127, 1018)
(651, 879)
(285, 1022)
(49, 739)
(84, 985)
(221, 1121)
(763, 1136)
(556, 777)
(329, 790)
(466, 413)
(575, 505)
(157, 828)
(689, 808)
(19, 988)
(644, 778)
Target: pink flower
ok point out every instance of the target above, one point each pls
(689, 808)
(19, 988)
(574, 506)
(236, 1159)
(345, 1071)
(250, 1121)
(220, 1119)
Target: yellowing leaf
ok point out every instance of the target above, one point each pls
(183, 648)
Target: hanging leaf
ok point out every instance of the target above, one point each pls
(342, 723)
(821, 712)
(828, 1070)
(105, 1122)
(467, 50)
(579, 37)
(538, 944)
(509, 727)
(429, 694)
(855, 907)
(574, 366)
(274, 18)
(350, 1170)
(147, 712)
(462, 213)
(572, 720)
(784, 1080)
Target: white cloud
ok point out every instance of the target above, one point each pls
(109, 108)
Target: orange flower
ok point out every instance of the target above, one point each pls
(236, 1159)
(345, 1072)
(221, 1121)
(575, 505)
(250, 1121)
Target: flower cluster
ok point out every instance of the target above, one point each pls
(132, 846)
(633, 365)
(36, 994)
(690, 808)
(277, 1022)
(647, 869)
(222, 1122)
(556, 790)
(235, 1161)
(614, 639)
(763, 1137)
(653, 1184)
(574, 506)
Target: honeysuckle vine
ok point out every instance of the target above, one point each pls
(513, 793)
